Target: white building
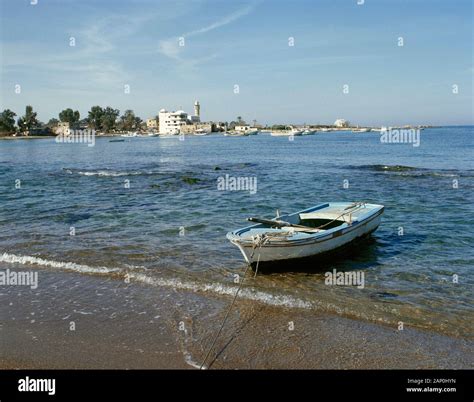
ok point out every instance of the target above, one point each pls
(197, 109)
(171, 122)
(341, 123)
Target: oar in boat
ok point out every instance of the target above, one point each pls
(281, 224)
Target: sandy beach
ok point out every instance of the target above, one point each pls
(175, 328)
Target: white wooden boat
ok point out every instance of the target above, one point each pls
(236, 134)
(381, 129)
(288, 133)
(296, 131)
(306, 233)
(201, 132)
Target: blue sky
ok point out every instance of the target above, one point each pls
(244, 43)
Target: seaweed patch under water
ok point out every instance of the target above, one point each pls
(383, 295)
(190, 180)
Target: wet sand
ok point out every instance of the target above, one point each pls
(86, 321)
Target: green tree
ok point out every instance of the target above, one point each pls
(108, 119)
(7, 121)
(94, 119)
(29, 120)
(52, 123)
(128, 121)
(70, 116)
(138, 123)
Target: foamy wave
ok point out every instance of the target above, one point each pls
(174, 283)
(226, 290)
(109, 173)
(106, 173)
(247, 293)
(69, 266)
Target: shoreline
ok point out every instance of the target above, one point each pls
(39, 137)
(319, 129)
(173, 329)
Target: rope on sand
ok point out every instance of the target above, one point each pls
(259, 241)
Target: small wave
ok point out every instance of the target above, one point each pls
(175, 283)
(410, 171)
(246, 292)
(225, 290)
(386, 168)
(69, 266)
(111, 173)
(429, 174)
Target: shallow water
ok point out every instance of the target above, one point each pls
(173, 186)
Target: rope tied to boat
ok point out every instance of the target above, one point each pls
(258, 241)
(225, 319)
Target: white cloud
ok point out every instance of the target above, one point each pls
(170, 47)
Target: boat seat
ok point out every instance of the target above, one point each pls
(309, 230)
(319, 215)
(330, 215)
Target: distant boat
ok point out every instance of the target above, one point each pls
(200, 132)
(236, 134)
(117, 140)
(307, 131)
(295, 131)
(360, 130)
(128, 135)
(381, 129)
(287, 133)
(246, 129)
(306, 233)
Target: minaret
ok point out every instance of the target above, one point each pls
(197, 109)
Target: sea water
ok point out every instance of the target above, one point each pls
(150, 210)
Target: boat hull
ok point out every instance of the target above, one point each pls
(323, 260)
(291, 250)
